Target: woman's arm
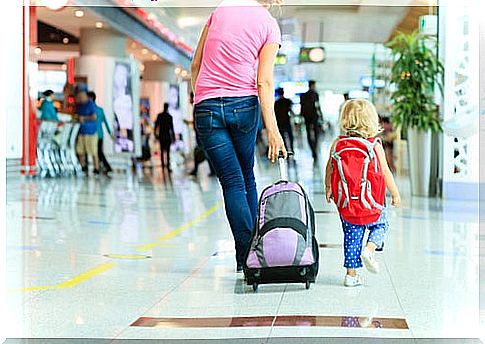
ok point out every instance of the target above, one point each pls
(267, 58)
(390, 183)
(198, 57)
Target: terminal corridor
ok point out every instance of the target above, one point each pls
(144, 256)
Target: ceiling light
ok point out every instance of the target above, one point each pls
(99, 25)
(54, 4)
(142, 67)
(178, 70)
(79, 13)
(37, 51)
(189, 21)
(184, 73)
(317, 55)
(64, 67)
(65, 40)
(154, 57)
(144, 51)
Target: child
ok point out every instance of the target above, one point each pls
(356, 178)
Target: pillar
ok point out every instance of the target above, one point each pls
(101, 51)
(459, 33)
(157, 78)
(159, 83)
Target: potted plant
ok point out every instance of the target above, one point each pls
(415, 73)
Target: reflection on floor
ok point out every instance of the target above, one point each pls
(92, 257)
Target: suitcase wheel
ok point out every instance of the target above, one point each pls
(307, 285)
(255, 287)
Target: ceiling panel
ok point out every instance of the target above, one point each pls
(214, 3)
(66, 20)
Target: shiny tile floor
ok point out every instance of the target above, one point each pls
(92, 257)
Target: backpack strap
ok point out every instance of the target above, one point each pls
(364, 182)
(338, 159)
(371, 198)
(339, 194)
(377, 141)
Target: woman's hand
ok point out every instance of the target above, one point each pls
(275, 145)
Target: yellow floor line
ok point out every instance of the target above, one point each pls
(83, 277)
(181, 229)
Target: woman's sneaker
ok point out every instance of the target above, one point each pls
(353, 281)
(370, 261)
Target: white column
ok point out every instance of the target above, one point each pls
(101, 50)
(459, 33)
(157, 78)
(11, 62)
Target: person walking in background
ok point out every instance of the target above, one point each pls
(47, 109)
(283, 109)
(227, 108)
(311, 112)
(388, 136)
(146, 127)
(87, 142)
(165, 134)
(101, 119)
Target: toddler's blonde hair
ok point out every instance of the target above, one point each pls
(358, 117)
(271, 3)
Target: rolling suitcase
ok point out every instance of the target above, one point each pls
(283, 248)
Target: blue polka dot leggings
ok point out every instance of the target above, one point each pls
(354, 235)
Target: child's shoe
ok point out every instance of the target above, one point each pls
(353, 281)
(370, 261)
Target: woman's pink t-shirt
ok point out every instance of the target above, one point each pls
(236, 35)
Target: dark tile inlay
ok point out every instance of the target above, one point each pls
(204, 322)
(267, 321)
(38, 217)
(330, 246)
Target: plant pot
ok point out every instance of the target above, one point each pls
(419, 151)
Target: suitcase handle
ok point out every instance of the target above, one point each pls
(283, 167)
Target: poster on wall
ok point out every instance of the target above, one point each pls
(123, 109)
(174, 109)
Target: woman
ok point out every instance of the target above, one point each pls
(237, 36)
(47, 109)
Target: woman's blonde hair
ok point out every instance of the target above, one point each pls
(358, 117)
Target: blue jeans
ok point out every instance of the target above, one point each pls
(227, 128)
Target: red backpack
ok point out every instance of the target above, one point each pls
(358, 184)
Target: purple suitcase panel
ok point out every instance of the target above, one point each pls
(283, 186)
(307, 258)
(279, 188)
(279, 247)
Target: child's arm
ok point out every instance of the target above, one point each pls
(390, 183)
(328, 175)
